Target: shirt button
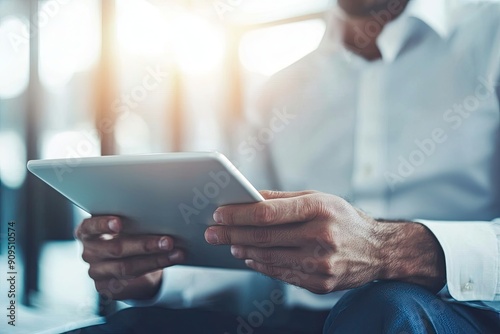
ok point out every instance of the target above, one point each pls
(367, 170)
(469, 286)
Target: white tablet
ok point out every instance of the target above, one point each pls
(173, 194)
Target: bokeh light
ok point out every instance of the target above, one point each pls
(12, 159)
(269, 50)
(140, 28)
(198, 44)
(145, 30)
(132, 134)
(14, 57)
(70, 144)
(69, 41)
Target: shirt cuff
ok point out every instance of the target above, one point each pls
(472, 259)
(193, 287)
(165, 297)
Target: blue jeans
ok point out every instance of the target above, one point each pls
(401, 308)
(382, 307)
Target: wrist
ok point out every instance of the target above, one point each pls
(147, 286)
(409, 252)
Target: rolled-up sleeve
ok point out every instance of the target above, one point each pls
(472, 254)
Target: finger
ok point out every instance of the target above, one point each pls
(272, 236)
(96, 226)
(272, 194)
(275, 256)
(125, 246)
(315, 283)
(296, 258)
(134, 267)
(270, 212)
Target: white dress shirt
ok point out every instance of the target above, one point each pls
(413, 136)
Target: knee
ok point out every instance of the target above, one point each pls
(396, 295)
(377, 304)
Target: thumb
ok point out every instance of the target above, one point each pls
(273, 194)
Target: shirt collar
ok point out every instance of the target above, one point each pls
(433, 13)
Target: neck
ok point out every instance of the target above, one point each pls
(363, 25)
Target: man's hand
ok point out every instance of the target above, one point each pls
(322, 243)
(125, 266)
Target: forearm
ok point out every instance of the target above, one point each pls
(411, 253)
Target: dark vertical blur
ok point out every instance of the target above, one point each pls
(32, 200)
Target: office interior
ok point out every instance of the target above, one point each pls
(82, 78)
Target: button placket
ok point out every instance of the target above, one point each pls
(370, 151)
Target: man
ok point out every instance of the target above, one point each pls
(398, 112)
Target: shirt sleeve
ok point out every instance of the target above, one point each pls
(472, 255)
(196, 287)
(167, 296)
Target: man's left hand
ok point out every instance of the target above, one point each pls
(322, 243)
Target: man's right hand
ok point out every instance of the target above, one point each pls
(125, 266)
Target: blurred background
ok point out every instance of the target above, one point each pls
(83, 78)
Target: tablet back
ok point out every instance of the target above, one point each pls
(168, 194)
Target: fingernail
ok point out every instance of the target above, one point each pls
(249, 263)
(175, 256)
(236, 251)
(217, 217)
(211, 236)
(164, 243)
(113, 225)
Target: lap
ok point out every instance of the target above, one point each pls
(170, 321)
(396, 307)
(382, 307)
